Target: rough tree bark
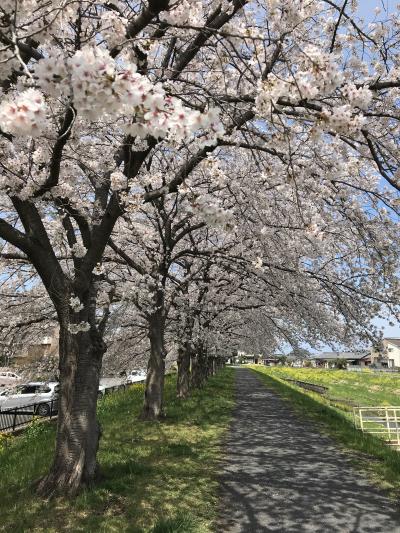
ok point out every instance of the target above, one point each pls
(153, 408)
(199, 367)
(212, 366)
(78, 430)
(183, 378)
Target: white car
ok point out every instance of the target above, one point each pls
(102, 391)
(38, 397)
(9, 378)
(136, 376)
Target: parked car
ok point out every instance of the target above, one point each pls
(9, 378)
(136, 376)
(39, 397)
(102, 391)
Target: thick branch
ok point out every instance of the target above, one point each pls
(55, 161)
(13, 236)
(199, 41)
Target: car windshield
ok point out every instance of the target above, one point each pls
(28, 389)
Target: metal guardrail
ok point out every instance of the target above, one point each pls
(309, 386)
(114, 388)
(11, 419)
(16, 417)
(369, 369)
(383, 422)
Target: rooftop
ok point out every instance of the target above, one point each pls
(341, 355)
(393, 340)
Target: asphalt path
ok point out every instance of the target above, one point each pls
(281, 475)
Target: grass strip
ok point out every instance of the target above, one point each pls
(361, 388)
(158, 477)
(368, 453)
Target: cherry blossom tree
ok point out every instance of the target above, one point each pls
(163, 246)
(72, 93)
(296, 100)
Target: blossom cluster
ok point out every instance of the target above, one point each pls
(184, 12)
(342, 120)
(212, 214)
(113, 28)
(77, 328)
(285, 15)
(79, 250)
(118, 180)
(319, 76)
(26, 115)
(99, 87)
(358, 97)
(75, 303)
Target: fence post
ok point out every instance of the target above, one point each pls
(397, 427)
(388, 423)
(14, 419)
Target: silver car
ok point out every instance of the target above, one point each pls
(9, 378)
(37, 396)
(136, 376)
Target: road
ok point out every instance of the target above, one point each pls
(281, 475)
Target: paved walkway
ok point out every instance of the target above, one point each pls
(282, 475)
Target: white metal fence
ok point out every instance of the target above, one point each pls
(369, 369)
(383, 422)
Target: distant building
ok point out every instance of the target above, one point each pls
(273, 359)
(27, 353)
(270, 360)
(332, 359)
(388, 354)
(243, 357)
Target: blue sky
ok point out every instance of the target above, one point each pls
(366, 10)
(366, 7)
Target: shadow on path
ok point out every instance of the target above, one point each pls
(281, 474)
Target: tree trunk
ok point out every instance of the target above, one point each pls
(153, 408)
(199, 369)
(194, 376)
(78, 431)
(213, 366)
(183, 379)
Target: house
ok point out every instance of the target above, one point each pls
(387, 354)
(47, 346)
(279, 359)
(246, 358)
(333, 359)
(270, 360)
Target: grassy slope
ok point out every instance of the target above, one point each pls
(364, 388)
(380, 462)
(158, 477)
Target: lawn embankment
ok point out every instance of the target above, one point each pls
(370, 454)
(358, 388)
(158, 477)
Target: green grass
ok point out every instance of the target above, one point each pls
(360, 388)
(158, 477)
(370, 454)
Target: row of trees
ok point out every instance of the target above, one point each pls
(200, 176)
